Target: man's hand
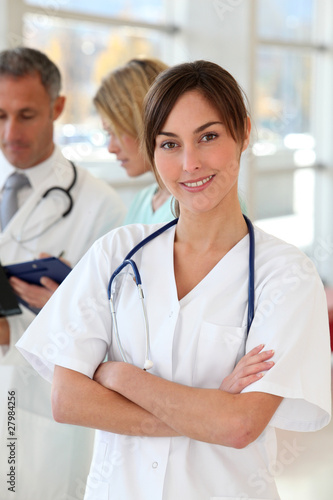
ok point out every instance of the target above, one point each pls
(4, 331)
(34, 295)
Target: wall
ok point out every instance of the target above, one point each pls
(219, 31)
(3, 24)
(206, 27)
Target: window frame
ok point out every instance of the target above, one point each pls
(281, 162)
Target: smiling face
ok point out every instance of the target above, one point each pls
(197, 158)
(26, 120)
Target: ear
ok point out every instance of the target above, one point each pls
(58, 106)
(247, 135)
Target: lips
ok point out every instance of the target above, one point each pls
(199, 183)
(122, 161)
(15, 146)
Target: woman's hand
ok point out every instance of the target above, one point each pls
(105, 371)
(192, 411)
(249, 369)
(101, 373)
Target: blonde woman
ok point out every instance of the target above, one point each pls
(119, 101)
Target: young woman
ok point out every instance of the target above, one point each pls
(172, 430)
(119, 101)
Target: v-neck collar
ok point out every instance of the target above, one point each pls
(221, 266)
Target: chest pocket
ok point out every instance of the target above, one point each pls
(219, 349)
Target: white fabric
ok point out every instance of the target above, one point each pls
(51, 458)
(195, 341)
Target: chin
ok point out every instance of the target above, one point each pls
(134, 173)
(131, 173)
(17, 163)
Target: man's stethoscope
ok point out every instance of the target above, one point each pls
(19, 238)
(128, 261)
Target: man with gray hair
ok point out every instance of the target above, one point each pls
(47, 206)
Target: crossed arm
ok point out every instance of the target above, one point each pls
(127, 400)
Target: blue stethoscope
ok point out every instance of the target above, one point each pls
(128, 261)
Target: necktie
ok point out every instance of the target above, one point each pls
(9, 204)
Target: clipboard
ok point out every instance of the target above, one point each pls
(8, 302)
(32, 271)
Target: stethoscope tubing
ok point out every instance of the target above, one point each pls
(128, 261)
(251, 293)
(67, 191)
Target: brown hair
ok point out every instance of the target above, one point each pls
(22, 61)
(121, 94)
(212, 81)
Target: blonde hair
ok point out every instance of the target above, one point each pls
(120, 97)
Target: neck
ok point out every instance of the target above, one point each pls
(211, 231)
(160, 197)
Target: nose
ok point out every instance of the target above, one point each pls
(191, 159)
(10, 130)
(114, 144)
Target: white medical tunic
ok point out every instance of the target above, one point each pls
(195, 341)
(50, 460)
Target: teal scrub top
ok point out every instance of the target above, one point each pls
(141, 210)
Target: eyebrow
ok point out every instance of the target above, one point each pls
(196, 131)
(21, 110)
(27, 108)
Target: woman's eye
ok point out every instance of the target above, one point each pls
(209, 137)
(168, 145)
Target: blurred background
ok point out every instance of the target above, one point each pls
(280, 51)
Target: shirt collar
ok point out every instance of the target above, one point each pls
(36, 174)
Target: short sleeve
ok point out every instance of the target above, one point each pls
(73, 329)
(291, 318)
